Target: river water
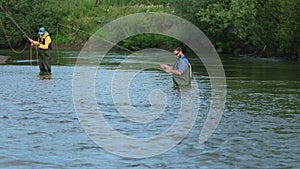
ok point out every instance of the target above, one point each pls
(260, 127)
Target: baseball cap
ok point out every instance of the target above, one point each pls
(42, 30)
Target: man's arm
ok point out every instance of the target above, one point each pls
(169, 69)
(47, 42)
(176, 72)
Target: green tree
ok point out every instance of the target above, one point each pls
(268, 27)
(29, 15)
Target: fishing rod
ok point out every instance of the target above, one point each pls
(9, 43)
(24, 33)
(112, 43)
(5, 33)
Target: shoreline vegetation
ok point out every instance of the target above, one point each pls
(253, 28)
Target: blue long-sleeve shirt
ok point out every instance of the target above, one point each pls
(181, 64)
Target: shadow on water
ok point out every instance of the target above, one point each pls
(45, 77)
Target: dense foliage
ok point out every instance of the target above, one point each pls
(265, 28)
(259, 26)
(29, 15)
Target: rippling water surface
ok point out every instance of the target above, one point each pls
(260, 127)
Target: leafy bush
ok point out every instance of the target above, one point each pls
(29, 15)
(232, 25)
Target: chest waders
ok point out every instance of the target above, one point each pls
(183, 80)
(44, 58)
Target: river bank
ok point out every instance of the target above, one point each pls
(68, 47)
(78, 47)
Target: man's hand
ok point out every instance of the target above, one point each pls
(168, 70)
(31, 41)
(164, 66)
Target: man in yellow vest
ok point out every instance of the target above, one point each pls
(44, 44)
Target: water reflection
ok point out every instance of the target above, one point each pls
(40, 128)
(45, 77)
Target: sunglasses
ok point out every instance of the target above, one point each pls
(176, 53)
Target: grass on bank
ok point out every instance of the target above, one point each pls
(82, 18)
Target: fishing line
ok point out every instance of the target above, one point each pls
(121, 47)
(8, 41)
(24, 33)
(30, 55)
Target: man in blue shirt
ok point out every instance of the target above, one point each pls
(181, 70)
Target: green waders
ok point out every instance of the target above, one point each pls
(44, 61)
(183, 80)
